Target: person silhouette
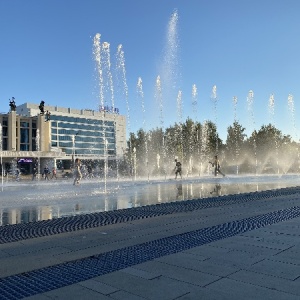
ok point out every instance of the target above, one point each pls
(216, 164)
(177, 168)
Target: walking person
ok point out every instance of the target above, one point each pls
(53, 173)
(216, 164)
(46, 173)
(34, 173)
(177, 168)
(77, 171)
(17, 174)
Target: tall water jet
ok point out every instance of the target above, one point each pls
(214, 100)
(107, 72)
(97, 58)
(105, 163)
(97, 52)
(250, 100)
(159, 99)
(122, 80)
(194, 129)
(271, 106)
(169, 68)
(169, 72)
(291, 107)
(108, 82)
(140, 94)
(180, 133)
(204, 144)
(37, 145)
(237, 150)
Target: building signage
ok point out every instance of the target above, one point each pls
(24, 160)
(109, 109)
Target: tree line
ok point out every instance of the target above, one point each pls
(153, 152)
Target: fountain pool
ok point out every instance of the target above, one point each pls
(26, 201)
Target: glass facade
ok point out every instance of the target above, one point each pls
(83, 136)
(4, 134)
(24, 136)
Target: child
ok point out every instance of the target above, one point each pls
(177, 168)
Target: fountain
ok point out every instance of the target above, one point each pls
(37, 142)
(150, 178)
(235, 100)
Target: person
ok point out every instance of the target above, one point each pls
(77, 171)
(53, 173)
(34, 173)
(216, 164)
(46, 173)
(177, 168)
(17, 174)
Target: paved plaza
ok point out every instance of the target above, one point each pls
(244, 246)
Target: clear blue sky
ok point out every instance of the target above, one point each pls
(46, 53)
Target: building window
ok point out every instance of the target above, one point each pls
(5, 144)
(24, 147)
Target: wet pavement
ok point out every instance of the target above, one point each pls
(28, 201)
(234, 246)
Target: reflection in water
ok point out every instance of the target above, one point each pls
(217, 190)
(179, 193)
(23, 204)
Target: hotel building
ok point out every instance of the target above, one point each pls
(60, 134)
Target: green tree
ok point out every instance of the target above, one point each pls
(235, 144)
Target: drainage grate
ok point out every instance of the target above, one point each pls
(17, 232)
(49, 278)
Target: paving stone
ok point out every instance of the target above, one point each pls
(37, 297)
(208, 250)
(139, 273)
(208, 266)
(97, 286)
(232, 289)
(123, 295)
(178, 273)
(277, 268)
(238, 259)
(268, 281)
(159, 288)
(77, 292)
(291, 255)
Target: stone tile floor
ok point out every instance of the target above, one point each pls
(233, 247)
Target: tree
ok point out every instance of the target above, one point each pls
(235, 144)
